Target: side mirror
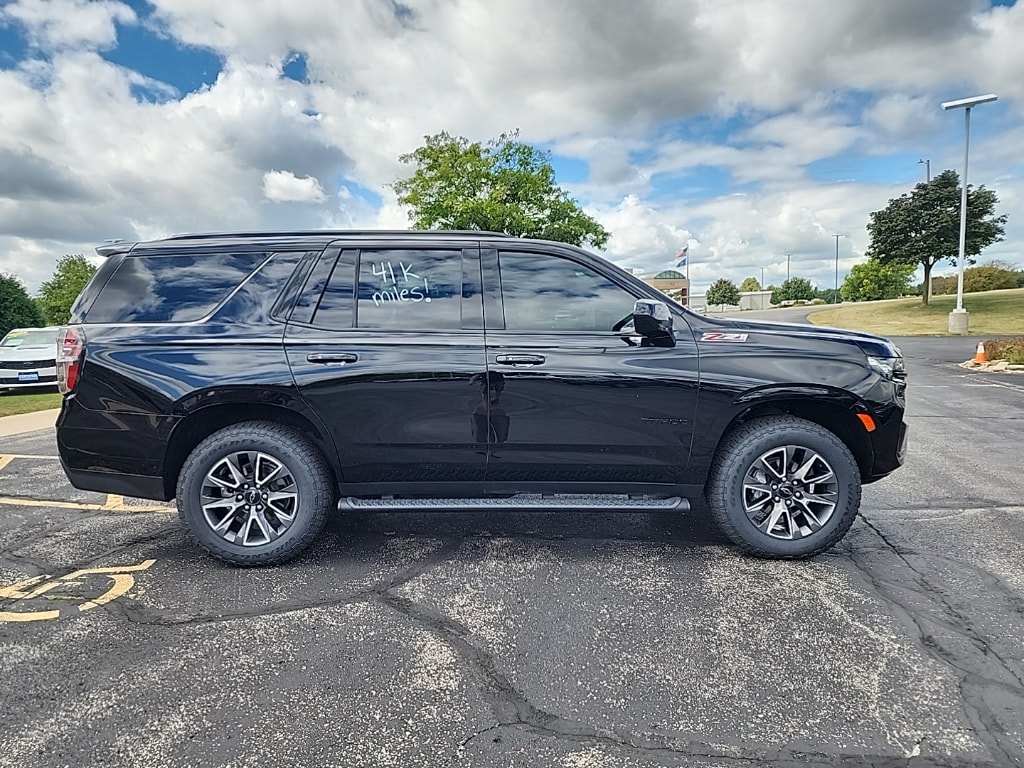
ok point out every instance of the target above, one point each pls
(653, 321)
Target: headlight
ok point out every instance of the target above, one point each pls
(888, 367)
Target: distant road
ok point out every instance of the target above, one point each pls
(787, 315)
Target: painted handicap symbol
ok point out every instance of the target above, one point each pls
(79, 591)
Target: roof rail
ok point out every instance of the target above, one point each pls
(339, 233)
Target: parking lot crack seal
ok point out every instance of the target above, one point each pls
(973, 681)
(512, 709)
(138, 614)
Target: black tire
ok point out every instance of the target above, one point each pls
(289, 527)
(729, 486)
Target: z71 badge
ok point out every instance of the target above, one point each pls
(717, 336)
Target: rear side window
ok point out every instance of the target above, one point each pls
(410, 290)
(180, 288)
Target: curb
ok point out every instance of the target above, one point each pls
(992, 366)
(28, 422)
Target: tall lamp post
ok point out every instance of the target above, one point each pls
(927, 169)
(837, 267)
(958, 320)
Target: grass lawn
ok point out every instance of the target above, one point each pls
(991, 313)
(13, 404)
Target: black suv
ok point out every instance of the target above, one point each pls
(264, 379)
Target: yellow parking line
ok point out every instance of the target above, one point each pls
(5, 460)
(34, 616)
(83, 506)
(80, 505)
(29, 456)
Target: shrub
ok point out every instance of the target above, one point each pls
(1011, 350)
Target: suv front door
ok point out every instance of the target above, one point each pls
(576, 404)
(386, 346)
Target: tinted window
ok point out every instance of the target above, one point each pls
(155, 289)
(314, 288)
(548, 293)
(410, 289)
(253, 301)
(337, 302)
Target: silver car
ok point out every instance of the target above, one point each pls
(28, 359)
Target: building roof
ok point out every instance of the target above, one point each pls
(669, 274)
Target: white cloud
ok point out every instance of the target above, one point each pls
(65, 23)
(653, 96)
(286, 187)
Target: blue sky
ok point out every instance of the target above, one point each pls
(746, 130)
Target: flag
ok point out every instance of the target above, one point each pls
(681, 256)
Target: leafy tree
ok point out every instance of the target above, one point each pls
(828, 295)
(59, 292)
(792, 289)
(992, 276)
(501, 186)
(17, 310)
(875, 279)
(923, 227)
(750, 284)
(722, 292)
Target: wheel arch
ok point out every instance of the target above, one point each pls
(834, 410)
(203, 422)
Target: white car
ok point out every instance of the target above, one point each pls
(28, 358)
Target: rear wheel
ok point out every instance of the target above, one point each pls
(783, 487)
(256, 493)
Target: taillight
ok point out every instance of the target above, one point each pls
(70, 342)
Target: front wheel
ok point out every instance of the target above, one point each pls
(256, 493)
(783, 487)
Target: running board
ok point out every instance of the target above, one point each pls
(597, 503)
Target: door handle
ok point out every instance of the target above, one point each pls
(519, 359)
(332, 357)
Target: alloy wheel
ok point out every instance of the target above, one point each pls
(790, 492)
(249, 498)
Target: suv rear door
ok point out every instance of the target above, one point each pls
(575, 403)
(384, 343)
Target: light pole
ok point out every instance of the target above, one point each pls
(958, 320)
(927, 169)
(762, 288)
(837, 267)
(787, 265)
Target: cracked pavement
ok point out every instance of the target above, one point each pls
(537, 639)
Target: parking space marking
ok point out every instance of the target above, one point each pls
(113, 503)
(122, 578)
(5, 460)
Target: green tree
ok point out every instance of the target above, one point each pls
(750, 284)
(875, 279)
(17, 310)
(59, 292)
(992, 276)
(828, 295)
(923, 227)
(722, 292)
(502, 186)
(793, 289)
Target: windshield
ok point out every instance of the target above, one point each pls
(40, 338)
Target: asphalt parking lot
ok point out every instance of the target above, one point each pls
(533, 639)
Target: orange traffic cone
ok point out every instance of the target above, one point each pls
(979, 355)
